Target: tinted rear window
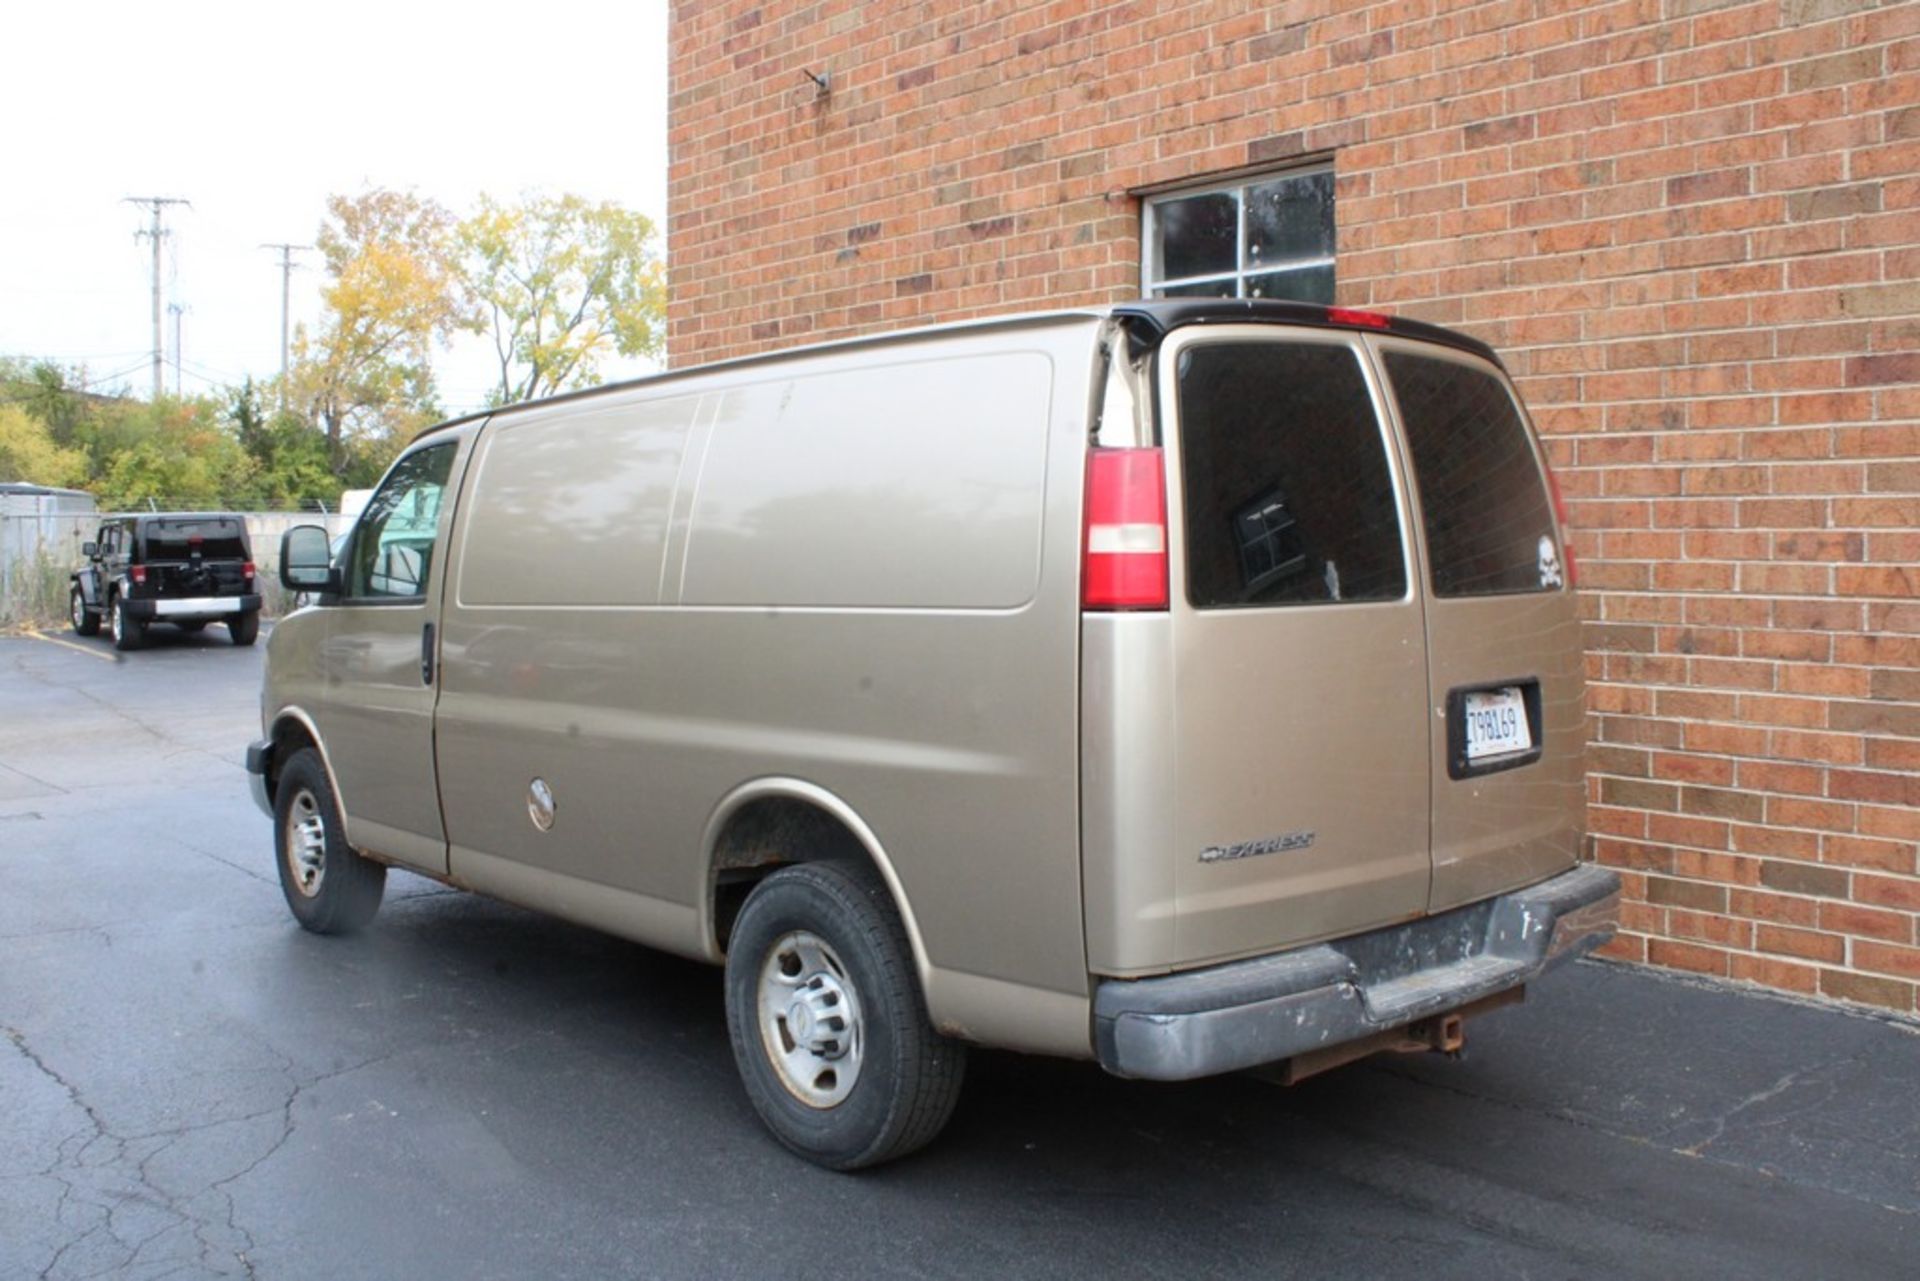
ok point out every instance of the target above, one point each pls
(1483, 503)
(1288, 493)
(214, 539)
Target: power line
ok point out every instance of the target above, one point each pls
(157, 234)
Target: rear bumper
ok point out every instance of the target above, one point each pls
(191, 606)
(1248, 1013)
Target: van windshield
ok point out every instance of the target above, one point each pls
(215, 538)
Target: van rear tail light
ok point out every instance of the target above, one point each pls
(139, 573)
(1560, 514)
(1125, 536)
(1365, 319)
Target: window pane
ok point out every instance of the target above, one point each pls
(1483, 503)
(1200, 289)
(1289, 219)
(393, 544)
(212, 537)
(1196, 236)
(1288, 495)
(1302, 284)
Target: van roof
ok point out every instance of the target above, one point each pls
(1149, 320)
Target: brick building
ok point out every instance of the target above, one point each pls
(1691, 227)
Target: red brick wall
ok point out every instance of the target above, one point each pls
(1691, 227)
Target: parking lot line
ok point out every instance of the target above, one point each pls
(78, 649)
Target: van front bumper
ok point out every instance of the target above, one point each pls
(1267, 1009)
(259, 766)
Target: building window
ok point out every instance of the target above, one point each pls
(1264, 237)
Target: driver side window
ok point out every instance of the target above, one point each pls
(391, 554)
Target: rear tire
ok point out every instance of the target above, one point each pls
(829, 1027)
(85, 621)
(329, 888)
(128, 633)
(244, 627)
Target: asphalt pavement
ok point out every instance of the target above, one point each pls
(191, 1086)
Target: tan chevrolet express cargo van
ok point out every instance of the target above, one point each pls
(1190, 686)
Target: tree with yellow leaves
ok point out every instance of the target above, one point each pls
(394, 294)
(29, 453)
(560, 283)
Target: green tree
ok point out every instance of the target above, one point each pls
(393, 294)
(185, 459)
(561, 283)
(289, 454)
(28, 452)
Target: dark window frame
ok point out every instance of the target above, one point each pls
(1156, 284)
(1166, 397)
(350, 553)
(1389, 348)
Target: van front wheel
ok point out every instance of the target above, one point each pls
(829, 1027)
(329, 887)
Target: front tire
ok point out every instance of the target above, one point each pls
(244, 627)
(128, 633)
(329, 888)
(85, 622)
(829, 1027)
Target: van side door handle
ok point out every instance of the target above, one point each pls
(426, 654)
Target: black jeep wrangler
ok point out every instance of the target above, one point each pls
(184, 568)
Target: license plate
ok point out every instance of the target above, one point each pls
(1496, 723)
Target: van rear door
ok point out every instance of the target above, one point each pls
(1300, 744)
(1506, 729)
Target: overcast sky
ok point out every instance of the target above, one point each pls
(257, 113)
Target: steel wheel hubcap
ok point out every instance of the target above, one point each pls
(306, 843)
(119, 622)
(810, 1021)
(79, 609)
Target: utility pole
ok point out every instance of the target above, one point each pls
(157, 234)
(286, 280)
(174, 309)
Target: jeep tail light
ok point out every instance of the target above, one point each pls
(139, 573)
(1124, 540)
(1560, 514)
(246, 571)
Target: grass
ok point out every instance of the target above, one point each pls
(36, 592)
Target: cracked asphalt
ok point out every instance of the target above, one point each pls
(190, 1086)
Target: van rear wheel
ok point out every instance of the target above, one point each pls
(829, 1027)
(329, 888)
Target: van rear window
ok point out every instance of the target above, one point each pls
(1483, 503)
(1289, 499)
(215, 539)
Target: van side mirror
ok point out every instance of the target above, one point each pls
(306, 561)
(89, 549)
